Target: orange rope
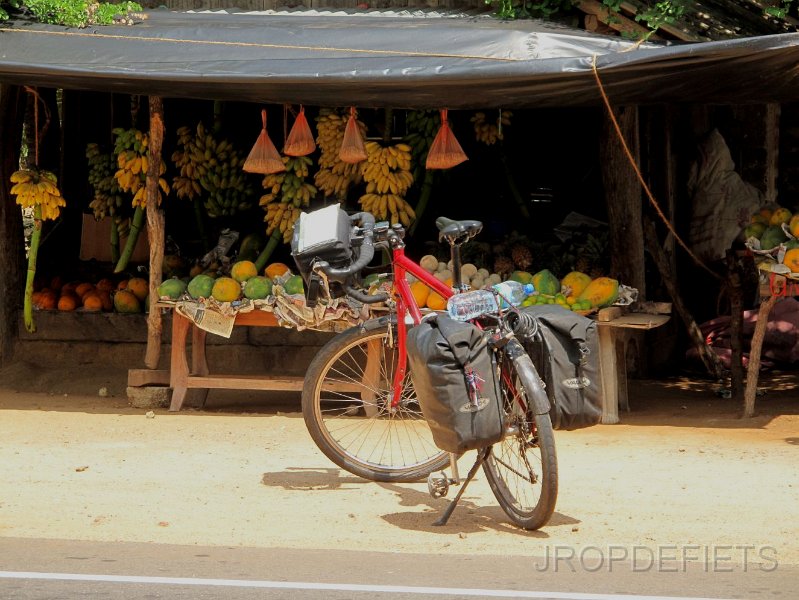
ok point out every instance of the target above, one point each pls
(640, 176)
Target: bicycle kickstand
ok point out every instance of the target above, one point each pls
(481, 456)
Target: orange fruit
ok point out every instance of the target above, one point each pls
(436, 302)
(68, 302)
(420, 293)
(106, 285)
(47, 300)
(139, 286)
(243, 270)
(276, 270)
(122, 285)
(83, 288)
(69, 288)
(92, 302)
(56, 283)
(105, 298)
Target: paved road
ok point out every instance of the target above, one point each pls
(35, 569)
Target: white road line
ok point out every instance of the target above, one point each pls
(335, 587)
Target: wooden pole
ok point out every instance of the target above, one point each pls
(735, 291)
(754, 356)
(155, 230)
(653, 246)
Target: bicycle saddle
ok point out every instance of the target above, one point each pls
(450, 230)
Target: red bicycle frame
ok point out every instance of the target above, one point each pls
(407, 304)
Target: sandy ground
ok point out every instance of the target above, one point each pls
(680, 470)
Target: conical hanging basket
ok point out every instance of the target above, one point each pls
(445, 151)
(300, 141)
(264, 157)
(352, 148)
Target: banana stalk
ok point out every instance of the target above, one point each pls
(199, 216)
(133, 236)
(263, 257)
(27, 310)
(114, 240)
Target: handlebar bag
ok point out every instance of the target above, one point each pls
(565, 351)
(454, 373)
(323, 234)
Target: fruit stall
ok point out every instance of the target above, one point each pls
(215, 186)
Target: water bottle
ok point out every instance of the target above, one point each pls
(472, 304)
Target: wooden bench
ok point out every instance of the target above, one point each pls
(615, 327)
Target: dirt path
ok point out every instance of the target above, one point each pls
(681, 470)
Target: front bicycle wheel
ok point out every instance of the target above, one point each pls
(522, 469)
(346, 404)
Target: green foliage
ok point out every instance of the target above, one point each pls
(666, 12)
(71, 13)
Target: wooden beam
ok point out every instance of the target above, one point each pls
(615, 21)
(672, 30)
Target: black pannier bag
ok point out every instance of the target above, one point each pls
(325, 235)
(454, 373)
(565, 351)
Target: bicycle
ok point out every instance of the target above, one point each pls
(358, 401)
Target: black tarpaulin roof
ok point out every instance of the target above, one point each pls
(379, 59)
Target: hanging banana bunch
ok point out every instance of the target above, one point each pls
(188, 159)
(107, 200)
(287, 193)
(130, 147)
(334, 177)
(490, 132)
(34, 188)
(423, 125)
(213, 166)
(387, 172)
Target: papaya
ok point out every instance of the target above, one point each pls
(139, 286)
(126, 302)
(791, 260)
(546, 283)
(773, 236)
(754, 230)
(294, 285)
(576, 282)
(243, 270)
(171, 288)
(780, 216)
(201, 286)
(420, 293)
(602, 291)
(521, 277)
(793, 226)
(226, 289)
(257, 288)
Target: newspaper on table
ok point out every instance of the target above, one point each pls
(205, 318)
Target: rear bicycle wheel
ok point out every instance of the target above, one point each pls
(522, 468)
(346, 404)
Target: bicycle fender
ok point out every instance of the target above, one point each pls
(524, 364)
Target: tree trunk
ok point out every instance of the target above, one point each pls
(623, 199)
(155, 230)
(12, 241)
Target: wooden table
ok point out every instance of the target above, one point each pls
(614, 333)
(183, 375)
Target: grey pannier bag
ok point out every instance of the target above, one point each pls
(454, 373)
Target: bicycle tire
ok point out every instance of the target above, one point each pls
(522, 468)
(353, 427)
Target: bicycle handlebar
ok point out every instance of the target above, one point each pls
(367, 251)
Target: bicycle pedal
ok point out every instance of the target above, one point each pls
(438, 484)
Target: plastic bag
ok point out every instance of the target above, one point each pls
(445, 151)
(264, 157)
(300, 140)
(352, 148)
